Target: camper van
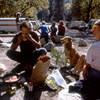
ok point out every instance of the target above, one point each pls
(9, 24)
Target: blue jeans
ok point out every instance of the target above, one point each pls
(26, 59)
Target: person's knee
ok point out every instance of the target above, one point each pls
(42, 51)
(9, 53)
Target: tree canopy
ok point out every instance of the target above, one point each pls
(86, 9)
(8, 8)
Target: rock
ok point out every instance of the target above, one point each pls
(57, 39)
(2, 68)
(5, 45)
(82, 43)
(74, 33)
(49, 46)
(42, 41)
(1, 41)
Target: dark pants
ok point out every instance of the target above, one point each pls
(25, 59)
(91, 85)
(46, 37)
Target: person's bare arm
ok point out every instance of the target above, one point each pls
(85, 71)
(15, 45)
(35, 43)
(49, 29)
(38, 30)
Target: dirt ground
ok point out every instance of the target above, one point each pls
(40, 93)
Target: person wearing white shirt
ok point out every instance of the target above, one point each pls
(91, 72)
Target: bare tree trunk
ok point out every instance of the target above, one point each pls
(89, 10)
(58, 11)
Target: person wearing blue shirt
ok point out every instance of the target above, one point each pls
(44, 31)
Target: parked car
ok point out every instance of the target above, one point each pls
(91, 22)
(90, 25)
(79, 25)
(9, 24)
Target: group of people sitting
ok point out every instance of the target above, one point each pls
(53, 30)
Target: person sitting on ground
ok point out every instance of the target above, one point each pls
(91, 72)
(53, 31)
(61, 29)
(44, 31)
(30, 49)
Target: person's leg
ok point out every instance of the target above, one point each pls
(19, 68)
(47, 38)
(14, 55)
(91, 84)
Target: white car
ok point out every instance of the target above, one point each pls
(9, 24)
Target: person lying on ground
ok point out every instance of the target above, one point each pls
(30, 48)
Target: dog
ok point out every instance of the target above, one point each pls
(72, 56)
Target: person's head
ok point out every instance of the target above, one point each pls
(61, 23)
(53, 24)
(25, 27)
(27, 19)
(18, 14)
(96, 29)
(43, 22)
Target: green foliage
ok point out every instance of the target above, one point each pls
(8, 8)
(86, 9)
(59, 57)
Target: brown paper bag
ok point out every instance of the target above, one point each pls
(39, 72)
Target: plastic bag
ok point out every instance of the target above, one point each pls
(55, 80)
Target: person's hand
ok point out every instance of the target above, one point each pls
(35, 43)
(29, 37)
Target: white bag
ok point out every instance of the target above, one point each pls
(57, 78)
(2, 68)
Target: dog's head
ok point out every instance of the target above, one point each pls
(67, 41)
